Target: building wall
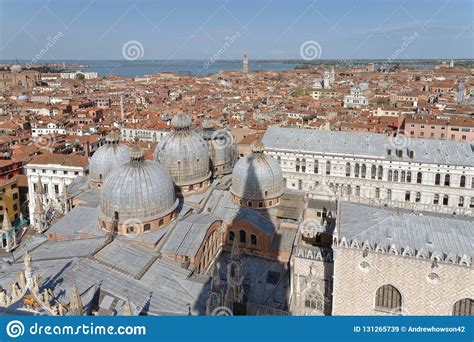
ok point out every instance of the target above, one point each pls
(129, 134)
(355, 287)
(10, 200)
(52, 176)
(309, 274)
(440, 132)
(321, 185)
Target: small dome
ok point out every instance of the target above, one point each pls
(181, 121)
(16, 68)
(107, 158)
(221, 147)
(184, 154)
(23, 98)
(257, 176)
(139, 191)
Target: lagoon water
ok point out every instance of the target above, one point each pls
(193, 67)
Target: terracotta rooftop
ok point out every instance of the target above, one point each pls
(60, 159)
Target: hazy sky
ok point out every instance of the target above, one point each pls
(179, 29)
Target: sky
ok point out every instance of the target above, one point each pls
(266, 29)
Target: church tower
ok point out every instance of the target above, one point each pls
(215, 298)
(245, 63)
(235, 277)
(326, 80)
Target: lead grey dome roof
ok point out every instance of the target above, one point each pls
(220, 143)
(257, 176)
(185, 156)
(107, 158)
(140, 190)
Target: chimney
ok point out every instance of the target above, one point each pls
(87, 149)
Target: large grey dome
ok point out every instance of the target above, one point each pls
(139, 191)
(107, 158)
(257, 176)
(184, 154)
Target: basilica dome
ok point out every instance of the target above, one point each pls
(220, 143)
(139, 194)
(16, 68)
(23, 98)
(185, 155)
(257, 179)
(107, 158)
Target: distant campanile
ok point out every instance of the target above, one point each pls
(245, 63)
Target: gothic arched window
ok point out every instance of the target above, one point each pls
(447, 180)
(403, 176)
(419, 176)
(380, 172)
(356, 170)
(313, 300)
(388, 298)
(464, 307)
(328, 167)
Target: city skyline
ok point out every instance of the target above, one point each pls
(96, 30)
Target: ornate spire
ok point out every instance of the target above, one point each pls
(65, 191)
(75, 305)
(28, 271)
(216, 279)
(6, 225)
(235, 253)
(39, 210)
(39, 187)
(127, 307)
